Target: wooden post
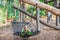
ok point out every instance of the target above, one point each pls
(15, 14)
(57, 20)
(19, 11)
(59, 8)
(22, 16)
(56, 4)
(38, 18)
(49, 15)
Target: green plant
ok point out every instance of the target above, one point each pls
(25, 33)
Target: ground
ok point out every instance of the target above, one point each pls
(45, 34)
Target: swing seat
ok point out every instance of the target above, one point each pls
(17, 28)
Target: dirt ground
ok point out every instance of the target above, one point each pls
(45, 34)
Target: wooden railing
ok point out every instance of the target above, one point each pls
(43, 6)
(38, 4)
(27, 13)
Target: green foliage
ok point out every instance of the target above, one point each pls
(42, 12)
(42, 1)
(6, 8)
(2, 13)
(10, 0)
(11, 11)
(51, 3)
(31, 9)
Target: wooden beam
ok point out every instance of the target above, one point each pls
(56, 4)
(43, 6)
(37, 19)
(34, 17)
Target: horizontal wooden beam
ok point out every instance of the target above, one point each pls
(49, 8)
(34, 17)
